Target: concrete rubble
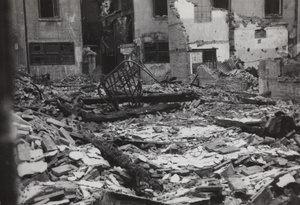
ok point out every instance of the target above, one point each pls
(212, 149)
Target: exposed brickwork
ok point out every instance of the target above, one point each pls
(179, 57)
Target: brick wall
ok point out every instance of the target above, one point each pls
(178, 39)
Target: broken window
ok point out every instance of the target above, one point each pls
(48, 8)
(222, 4)
(157, 52)
(51, 53)
(260, 33)
(202, 14)
(273, 7)
(209, 55)
(160, 7)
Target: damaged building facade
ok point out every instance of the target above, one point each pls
(48, 37)
(175, 38)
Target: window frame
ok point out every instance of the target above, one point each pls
(260, 33)
(154, 9)
(47, 55)
(228, 4)
(280, 11)
(199, 11)
(56, 11)
(158, 56)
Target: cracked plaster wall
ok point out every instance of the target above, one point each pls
(205, 35)
(251, 50)
(148, 28)
(66, 29)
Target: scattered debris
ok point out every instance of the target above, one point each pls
(210, 146)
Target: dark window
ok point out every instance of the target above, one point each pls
(260, 33)
(209, 55)
(48, 8)
(202, 14)
(160, 7)
(273, 7)
(156, 52)
(127, 4)
(223, 4)
(51, 53)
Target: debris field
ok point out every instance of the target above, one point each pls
(185, 144)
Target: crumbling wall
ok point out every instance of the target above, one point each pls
(205, 35)
(19, 38)
(256, 8)
(179, 57)
(252, 50)
(273, 78)
(148, 28)
(67, 28)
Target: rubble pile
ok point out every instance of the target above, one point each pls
(217, 148)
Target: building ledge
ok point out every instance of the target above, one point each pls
(50, 19)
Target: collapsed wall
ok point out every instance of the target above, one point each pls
(281, 78)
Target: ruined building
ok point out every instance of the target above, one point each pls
(171, 38)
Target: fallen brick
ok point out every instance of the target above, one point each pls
(237, 184)
(55, 122)
(263, 197)
(252, 170)
(61, 170)
(24, 152)
(49, 196)
(48, 143)
(66, 135)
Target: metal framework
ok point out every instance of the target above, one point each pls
(124, 80)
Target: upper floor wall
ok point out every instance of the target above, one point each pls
(150, 16)
(54, 35)
(54, 20)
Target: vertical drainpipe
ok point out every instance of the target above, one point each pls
(26, 36)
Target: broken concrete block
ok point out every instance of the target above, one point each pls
(263, 197)
(269, 140)
(66, 135)
(285, 180)
(48, 143)
(24, 152)
(158, 129)
(229, 149)
(55, 122)
(281, 161)
(61, 170)
(27, 117)
(228, 171)
(50, 196)
(215, 146)
(252, 170)
(28, 168)
(237, 184)
(36, 154)
(175, 178)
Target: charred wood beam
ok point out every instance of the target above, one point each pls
(150, 98)
(258, 130)
(116, 156)
(121, 115)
